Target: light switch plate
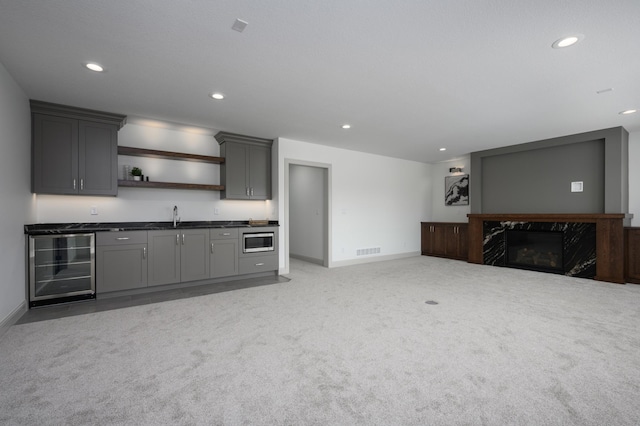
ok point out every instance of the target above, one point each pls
(576, 186)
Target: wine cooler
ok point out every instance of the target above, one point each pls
(61, 268)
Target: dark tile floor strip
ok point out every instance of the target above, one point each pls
(98, 305)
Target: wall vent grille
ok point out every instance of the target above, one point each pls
(367, 251)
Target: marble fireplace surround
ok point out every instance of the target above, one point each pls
(485, 229)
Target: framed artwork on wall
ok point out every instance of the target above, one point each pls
(456, 190)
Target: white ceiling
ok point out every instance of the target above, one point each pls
(409, 76)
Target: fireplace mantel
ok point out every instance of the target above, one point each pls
(609, 238)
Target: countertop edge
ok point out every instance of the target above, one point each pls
(77, 228)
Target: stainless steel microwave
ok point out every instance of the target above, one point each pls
(257, 242)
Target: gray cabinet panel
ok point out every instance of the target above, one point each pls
(224, 257)
(246, 171)
(164, 257)
(194, 253)
(259, 173)
(112, 238)
(234, 171)
(74, 150)
(254, 264)
(121, 267)
(98, 152)
(55, 154)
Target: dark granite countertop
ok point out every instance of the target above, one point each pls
(74, 228)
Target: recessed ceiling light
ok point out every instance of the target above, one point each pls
(346, 126)
(94, 67)
(628, 111)
(217, 96)
(443, 149)
(567, 41)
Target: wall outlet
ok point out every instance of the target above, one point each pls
(216, 211)
(93, 210)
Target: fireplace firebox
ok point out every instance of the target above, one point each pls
(535, 250)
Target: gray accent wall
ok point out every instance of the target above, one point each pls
(536, 177)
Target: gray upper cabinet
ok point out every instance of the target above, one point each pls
(74, 151)
(246, 171)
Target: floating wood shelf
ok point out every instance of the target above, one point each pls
(168, 155)
(169, 185)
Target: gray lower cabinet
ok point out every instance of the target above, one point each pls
(74, 151)
(178, 256)
(246, 171)
(121, 261)
(223, 252)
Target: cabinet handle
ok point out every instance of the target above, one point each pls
(177, 239)
(226, 234)
(211, 248)
(259, 264)
(122, 238)
(74, 184)
(182, 239)
(247, 191)
(251, 191)
(81, 184)
(144, 252)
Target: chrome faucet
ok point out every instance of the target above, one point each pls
(176, 219)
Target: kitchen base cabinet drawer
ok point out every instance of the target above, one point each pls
(253, 264)
(113, 238)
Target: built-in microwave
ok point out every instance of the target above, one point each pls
(254, 242)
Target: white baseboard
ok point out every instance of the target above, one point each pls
(371, 259)
(307, 259)
(12, 318)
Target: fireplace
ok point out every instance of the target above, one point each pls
(535, 250)
(592, 244)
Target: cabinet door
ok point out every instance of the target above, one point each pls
(164, 257)
(234, 171)
(632, 254)
(55, 155)
(224, 258)
(98, 158)
(259, 173)
(194, 254)
(425, 238)
(439, 239)
(121, 267)
(463, 241)
(451, 240)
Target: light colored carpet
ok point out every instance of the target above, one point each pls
(347, 346)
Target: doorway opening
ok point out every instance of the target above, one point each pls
(308, 212)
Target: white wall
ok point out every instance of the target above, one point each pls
(439, 211)
(375, 201)
(138, 204)
(634, 177)
(15, 193)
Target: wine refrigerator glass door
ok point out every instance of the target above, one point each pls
(62, 268)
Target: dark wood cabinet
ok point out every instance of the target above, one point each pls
(74, 151)
(246, 171)
(632, 255)
(445, 239)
